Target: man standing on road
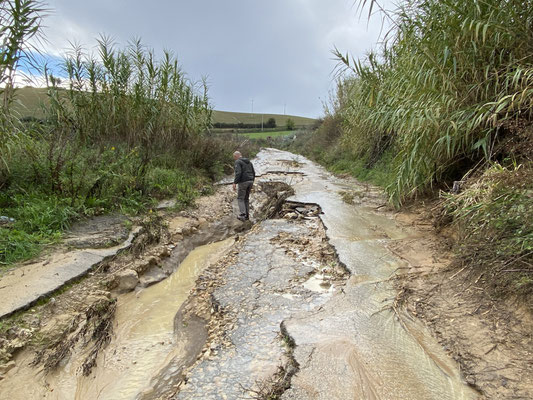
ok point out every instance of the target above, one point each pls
(244, 178)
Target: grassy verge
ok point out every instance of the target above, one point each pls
(41, 215)
(380, 174)
(45, 196)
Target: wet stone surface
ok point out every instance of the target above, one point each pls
(262, 288)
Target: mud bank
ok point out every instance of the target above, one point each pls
(490, 339)
(61, 346)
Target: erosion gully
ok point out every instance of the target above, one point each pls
(294, 327)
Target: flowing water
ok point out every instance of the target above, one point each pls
(143, 342)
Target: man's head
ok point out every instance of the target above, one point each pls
(237, 155)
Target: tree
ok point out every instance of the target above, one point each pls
(271, 123)
(290, 124)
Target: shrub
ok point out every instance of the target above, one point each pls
(494, 216)
(290, 124)
(271, 123)
(163, 183)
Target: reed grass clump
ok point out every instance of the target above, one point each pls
(448, 75)
(128, 96)
(20, 21)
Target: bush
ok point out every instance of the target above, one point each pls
(290, 124)
(271, 123)
(163, 183)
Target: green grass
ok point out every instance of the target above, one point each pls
(381, 174)
(41, 215)
(39, 221)
(264, 135)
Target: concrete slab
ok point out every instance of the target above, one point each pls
(24, 286)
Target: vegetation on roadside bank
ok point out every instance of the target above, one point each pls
(447, 98)
(120, 129)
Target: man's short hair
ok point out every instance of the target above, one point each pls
(237, 153)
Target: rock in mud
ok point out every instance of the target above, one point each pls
(6, 221)
(291, 215)
(127, 280)
(152, 277)
(98, 232)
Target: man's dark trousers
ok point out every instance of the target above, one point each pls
(243, 198)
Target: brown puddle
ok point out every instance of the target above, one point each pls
(143, 343)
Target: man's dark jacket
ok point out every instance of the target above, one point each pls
(244, 170)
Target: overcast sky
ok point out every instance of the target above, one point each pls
(275, 52)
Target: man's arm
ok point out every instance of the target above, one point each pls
(238, 172)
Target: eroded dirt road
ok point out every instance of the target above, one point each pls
(299, 307)
(341, 343)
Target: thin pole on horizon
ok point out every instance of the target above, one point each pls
(284, 108)
(252, 107)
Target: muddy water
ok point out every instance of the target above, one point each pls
(142, 345)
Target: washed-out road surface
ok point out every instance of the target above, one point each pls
(301, 306)
(340, 341)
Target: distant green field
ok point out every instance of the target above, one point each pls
(264, 135)
(29, 100)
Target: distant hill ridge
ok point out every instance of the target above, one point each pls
(229, 117)
(29, 99)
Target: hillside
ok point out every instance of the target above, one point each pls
(29, 100)
(229, 117)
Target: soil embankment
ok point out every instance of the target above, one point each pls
(491, 338)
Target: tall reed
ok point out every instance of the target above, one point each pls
(128, 96)
(20, 21)
(448, 76)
